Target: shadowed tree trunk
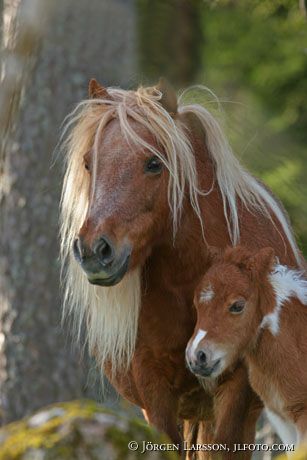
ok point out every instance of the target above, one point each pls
(82, 40)
(171, 39)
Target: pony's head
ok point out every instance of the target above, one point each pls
(128, 211)
(129, 167)
(130, 157)
(229, 309)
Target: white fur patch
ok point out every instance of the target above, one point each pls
(199, 336)
(206, 295)
(286, 283)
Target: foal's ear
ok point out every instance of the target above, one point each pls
(169, 98)
(96, 91)
(262, 261)
(214, 254)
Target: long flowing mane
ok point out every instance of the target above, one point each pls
(111, 314)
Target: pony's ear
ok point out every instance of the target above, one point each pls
(262, 262)
(96, 91)
(169, 98)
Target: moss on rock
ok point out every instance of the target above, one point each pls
(80, 430)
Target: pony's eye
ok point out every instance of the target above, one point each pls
(153, 165)
(87, 161)
(237, 307)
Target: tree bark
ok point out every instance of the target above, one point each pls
(171, 39)
(82, 40)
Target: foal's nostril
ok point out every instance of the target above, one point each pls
(201, 357)
(104, 251)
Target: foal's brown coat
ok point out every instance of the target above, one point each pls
(125, 203)
(270, 332)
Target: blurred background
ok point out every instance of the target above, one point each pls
(251, 54)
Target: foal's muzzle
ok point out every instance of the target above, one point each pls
(201, 362)
(102, 263)
(204, 369)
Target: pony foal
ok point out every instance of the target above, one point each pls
(250, 306)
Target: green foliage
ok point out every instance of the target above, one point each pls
(262, 46)
(256, 54)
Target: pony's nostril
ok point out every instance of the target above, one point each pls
(104, 251)
(201, 357)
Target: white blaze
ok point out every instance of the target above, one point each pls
(206, 295)
(199, 336)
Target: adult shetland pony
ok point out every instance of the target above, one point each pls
(149, 183)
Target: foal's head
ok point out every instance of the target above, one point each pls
(229, 310)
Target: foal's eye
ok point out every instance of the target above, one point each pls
(153, 165)
(237, 307)
(86, 165)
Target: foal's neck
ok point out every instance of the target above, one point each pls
(279, 347)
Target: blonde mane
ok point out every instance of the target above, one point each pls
(111, 314)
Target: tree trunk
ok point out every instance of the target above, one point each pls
(37, 364)
(171, 39)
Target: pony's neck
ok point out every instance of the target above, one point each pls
(188, 253)
(210, 199)
(183, 259)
